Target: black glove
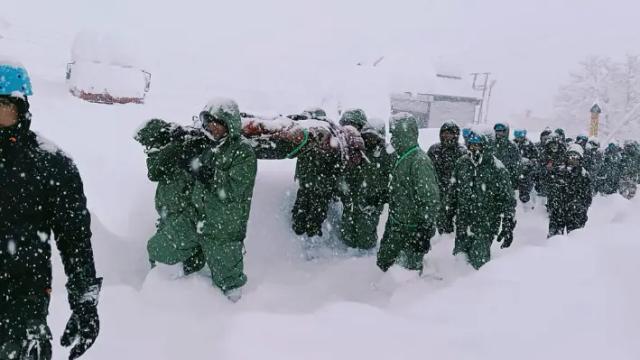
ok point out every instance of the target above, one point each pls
(508, 224)
(424, 235)
(84, 325)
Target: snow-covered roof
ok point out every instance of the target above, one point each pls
(105, 47)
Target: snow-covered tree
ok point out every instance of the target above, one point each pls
(615, 86)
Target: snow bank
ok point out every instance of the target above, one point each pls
(568, 296)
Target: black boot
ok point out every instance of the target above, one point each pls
(194, 264)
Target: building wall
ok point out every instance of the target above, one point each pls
(432, 111)
(461, 112)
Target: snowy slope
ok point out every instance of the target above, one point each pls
(559, 298)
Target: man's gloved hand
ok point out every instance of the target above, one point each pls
(84, 325)
(424, 235)
(506, 235)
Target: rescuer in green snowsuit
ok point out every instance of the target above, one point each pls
(444, 156)
(317, 171)
(483, 200)
(414, 199)
(507, 152)
(170, 150)
(363, 188)
(223, 177)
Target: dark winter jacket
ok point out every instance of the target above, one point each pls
(41, 196)
(528, 150)
(569, 195)
(631, 161)
(592, 161)
(529, 164)
(551, 157)
(481, 195)
(444, 159)
(611, 171)
(507, 152)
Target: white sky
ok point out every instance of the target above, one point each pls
(530, 46)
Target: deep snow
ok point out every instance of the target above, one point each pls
(566, 297)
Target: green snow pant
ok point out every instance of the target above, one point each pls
(477, 247)
(359, 225)
(401, 245)
(310, 210)
(178, 241)
(24, 334)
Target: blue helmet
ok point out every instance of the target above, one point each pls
(520, 134)
(14, 81)
(475, 139)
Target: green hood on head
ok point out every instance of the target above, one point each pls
(404, 132)
(354, 117)
(227, 111)
(154, 133)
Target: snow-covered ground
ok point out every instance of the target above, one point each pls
(566, 297)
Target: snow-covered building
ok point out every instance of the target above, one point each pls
(445, 97)
(104, 69)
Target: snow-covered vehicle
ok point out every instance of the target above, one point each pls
(103, 71)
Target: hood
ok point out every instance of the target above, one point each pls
(404, 132)
(450, 126)
(227, 111)
(354, 117)
(506, 138)
(575, 148)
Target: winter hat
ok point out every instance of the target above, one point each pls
(575, 149)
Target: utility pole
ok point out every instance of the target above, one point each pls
(480, 81)
(486, 111)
